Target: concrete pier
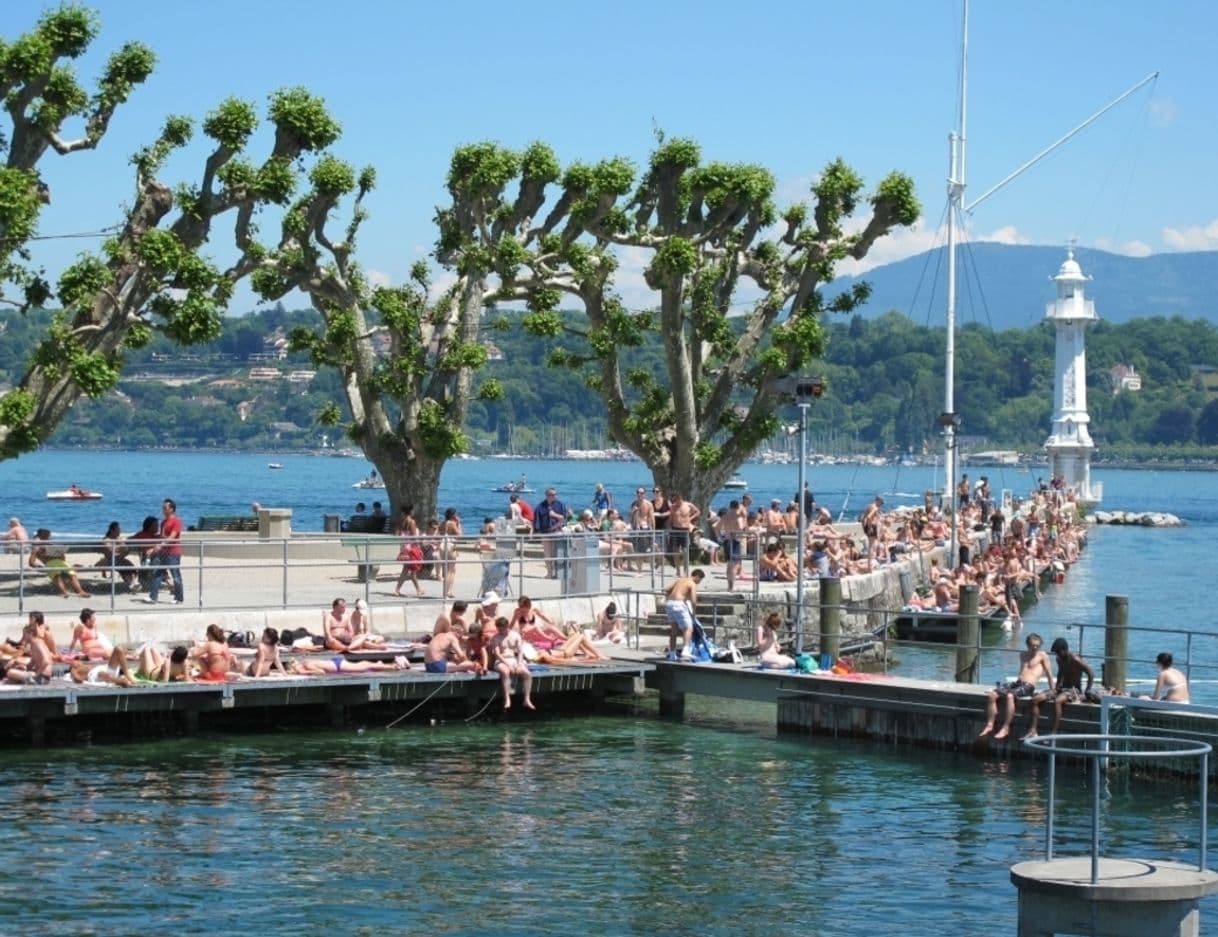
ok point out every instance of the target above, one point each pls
(1132, 897)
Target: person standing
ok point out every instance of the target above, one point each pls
(167, 556)
(680, 603)
(809, 503)
(642, 522)
(549, 519)
(683, 517)
(602, 501)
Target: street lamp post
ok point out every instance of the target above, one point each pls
(805, 392)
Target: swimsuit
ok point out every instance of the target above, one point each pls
(1015, 688)
(338, 664)
(436, 666)
(212, 676)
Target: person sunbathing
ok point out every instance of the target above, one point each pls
(576, 650)
(314, 667)
(155, 667)
(112, 672)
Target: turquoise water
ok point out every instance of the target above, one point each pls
(608, 825)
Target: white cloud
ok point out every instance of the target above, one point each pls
(1192, 238)
(379, 278)
(1128, 248)
(440, 284)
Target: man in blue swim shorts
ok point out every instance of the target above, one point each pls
(444, 652)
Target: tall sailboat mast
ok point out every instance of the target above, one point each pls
(955, 201)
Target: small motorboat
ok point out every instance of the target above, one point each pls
(74, 493)
(274, 465)
(520, 487)
(736, 481)
(370, 483)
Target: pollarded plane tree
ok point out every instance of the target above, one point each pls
(150, 275)
(738, 287)
(407, 359)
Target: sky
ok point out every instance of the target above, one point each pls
(787, 84)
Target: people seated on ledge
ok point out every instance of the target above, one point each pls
(1033, 664)
(1067, 689)
(775, 565)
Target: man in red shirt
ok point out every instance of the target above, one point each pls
(167, 556)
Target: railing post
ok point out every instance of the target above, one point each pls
(967, 654)
(830, 616)
(1116, 640)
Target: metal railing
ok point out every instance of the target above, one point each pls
(1158, 748)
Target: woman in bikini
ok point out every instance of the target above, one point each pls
(338, 664)
(1172, 685)
(214, 656)
(448, 549)
(86, 637)
(544, 633)
(267, 657)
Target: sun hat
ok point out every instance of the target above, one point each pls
(361, 605)
(490, 598)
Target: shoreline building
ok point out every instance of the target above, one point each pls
(1069, 444)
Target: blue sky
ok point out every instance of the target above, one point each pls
(790, 85)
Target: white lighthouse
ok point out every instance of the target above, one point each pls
(1069, 444)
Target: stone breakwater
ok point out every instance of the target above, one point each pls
(1137, 518)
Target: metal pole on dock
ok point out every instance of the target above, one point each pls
(967, 656)
(1116, 640)
(831, 616)
(800, 550)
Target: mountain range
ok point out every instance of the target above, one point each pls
(1006, 286)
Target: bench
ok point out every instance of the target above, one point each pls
(238, 523)
(365, 524)
(370, 551)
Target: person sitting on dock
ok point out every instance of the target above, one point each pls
(609, 625)
(679, 604)
(535, 625)
(361, 624)
(507, 651)
(92, 643)
(1033, 664)
(444, 653)
(338, 630)
(39, 646)
(266, 658)
(1067, 689)
(1171, 685)
(215, 657)
(775, 565)
(769, 645)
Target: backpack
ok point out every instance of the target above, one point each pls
(241, 639)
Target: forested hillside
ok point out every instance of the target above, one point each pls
(884, 377)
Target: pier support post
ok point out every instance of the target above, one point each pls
(1116, 640)
(831, 616)
(672, 704)
(967, 657)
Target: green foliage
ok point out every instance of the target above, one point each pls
(539, 164)
(301, 120)
(79, 284)
(276, 180)
(16, 412)
(896, 194)
(332, 177)
(439, 437)
(231, 123)
(481, 167)
(675, 257)
(837, 191)
(676, 154)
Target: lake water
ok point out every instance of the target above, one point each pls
(610, 825)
